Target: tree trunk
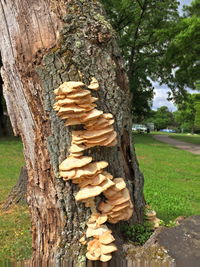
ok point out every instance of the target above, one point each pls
(18, 192)
(43, 44)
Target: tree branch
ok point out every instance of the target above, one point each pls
(135, 37)
(139, 4)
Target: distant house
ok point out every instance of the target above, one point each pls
(151, 126)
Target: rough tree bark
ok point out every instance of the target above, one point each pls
(44, 43)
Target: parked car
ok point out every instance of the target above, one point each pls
(140, 128)
(168, 131)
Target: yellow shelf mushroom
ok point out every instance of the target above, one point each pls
(76, 105)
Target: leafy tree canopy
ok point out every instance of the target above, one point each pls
(162, 118)
(138, 24)
(187, 117)
(158, 45)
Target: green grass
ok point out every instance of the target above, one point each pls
(172, 187)
(172, 183)
(15, 237)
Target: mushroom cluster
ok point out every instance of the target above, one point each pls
(118, 206)
(151, 217)
(76, 105)
(101, 247)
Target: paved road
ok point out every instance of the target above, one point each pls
(195, 149)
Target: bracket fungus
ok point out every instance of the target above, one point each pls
(75, 104)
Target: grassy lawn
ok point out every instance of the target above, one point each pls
(172, 188)
(15, 238)
(172, 182)
(194, 139)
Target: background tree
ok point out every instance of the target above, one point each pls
(197, 114)
(144, 33)
(158, 45)
(44, 44)
(181, 60)
(184, 120)
(162, 118)
(187, 116)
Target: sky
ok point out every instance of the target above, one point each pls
(160, 97)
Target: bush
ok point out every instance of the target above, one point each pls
(138, 233)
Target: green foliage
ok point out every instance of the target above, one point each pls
(169, 224)
(183, 54)
(138, 233)
(197, 116)
(188, 115)
(157, 45)
(197, 85)
(143, 39)
(172, 185)
(162, 118)
(193, 9)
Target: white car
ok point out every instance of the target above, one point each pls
(141, 128)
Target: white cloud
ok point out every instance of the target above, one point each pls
(182, 3)
(160, 99)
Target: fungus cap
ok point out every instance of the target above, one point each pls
(67, 174)
(107, 115)
(71, 108)
(94, 85)
(110, 140)
(97, 141)
(94, 133)
(121, 206)
(99, 231)
(106, 238)
(119, 184)
(98, 218)
(91, 257)
(95, 113)
(98, 179)
(105, 207)
(106, 249)
(77, 148)
(105, 257)
(90, 169)
(106, 184)
(78, 94)
(88, 191)
(72, 163)
(68, 87)
(111, 193)
(125, 197)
